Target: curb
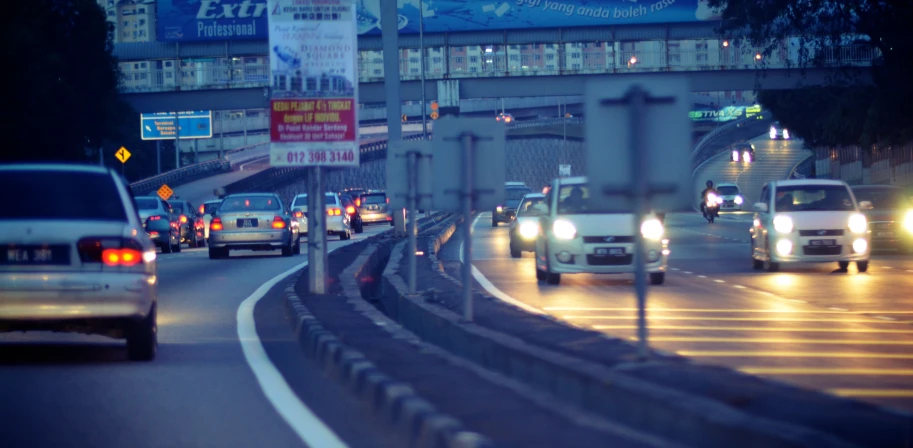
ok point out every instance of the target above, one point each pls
(396, 402)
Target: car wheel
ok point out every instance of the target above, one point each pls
(142, 338)
(297, 248)
(345, 236)
(215, 254)
(773, 267)
(862, 266)
(494, 223)
(514, 252)
(177, 247)
(287, 250)
(166, 248)
(359, 227)
(553, 279)
(844, 265)
(392, 223)
(657, 278)
(540, 274)
(202, 243)
(755, 263)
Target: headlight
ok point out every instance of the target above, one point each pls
(908, 221)
(785, 134)
(773, 132)
(500, 209)
(529, 230)
(735, 156)
(747, 156)
(652, 229)
(564, 229)
(739, 200)
(783, 224)
(858, 223)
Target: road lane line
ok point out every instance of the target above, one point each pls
(719, 281)
(738, 286)
(776, 340)
(788, 354)
(838, 309)
(884, 318)
(310, 429)
(872, 393)
(823, 371)
(490, 287)
(750, 319)
(752, 329)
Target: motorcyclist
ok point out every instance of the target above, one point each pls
(706, 193)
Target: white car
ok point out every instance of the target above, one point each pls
(731, 196)
(809, 221)
(206, 210)
(573, 240)
(338, 221)
(524, 227)
(83, 264)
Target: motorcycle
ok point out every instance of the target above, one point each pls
(712, 207)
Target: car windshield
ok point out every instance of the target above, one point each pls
(882, 198)
(76, 196)
(178, 207)
(514, 195)
(209, 207)
(728, 190)
(250, 203)
(572, 198)
(379, 198)
(302, 200)
(147, 203)
(526, 207)
(806, 198)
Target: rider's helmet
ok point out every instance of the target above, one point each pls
(709, 184)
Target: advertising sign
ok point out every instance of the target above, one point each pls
(313, 51)
(191, 124)
(201, 20)
(725, 114)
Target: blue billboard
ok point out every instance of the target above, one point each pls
(204, 20)
(191, 124)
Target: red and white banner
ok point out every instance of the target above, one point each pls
(313, 63)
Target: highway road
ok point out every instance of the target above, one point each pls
(203, 390)
(846, 333)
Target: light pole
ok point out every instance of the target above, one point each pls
(421, 44)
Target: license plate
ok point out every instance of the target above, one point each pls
(885, 234)
(823, 242)
(35, 255)
(615, 251)
(247, 223)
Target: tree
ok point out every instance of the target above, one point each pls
(843, 114)
(63, 80)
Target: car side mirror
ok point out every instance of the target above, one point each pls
(540, 209)
(866, 206)
(761, 207)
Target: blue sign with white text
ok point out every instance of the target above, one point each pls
(204, 20)
(191, 124)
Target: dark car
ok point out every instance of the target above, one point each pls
(890, 217)
(354, 193)
(191, 223)
(352, 210)
(742, 152)
(513, 194)
(161, 223)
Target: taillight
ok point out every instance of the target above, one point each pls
(298, 214)
(350, 210)
(202, 210)
(183, 219)
(112, 251)
(388, 200)
(358, 202)
(215, 224)
(154, 218)
(174, 225)
(334, 212)
(278, 223)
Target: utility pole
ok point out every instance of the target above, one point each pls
(421, 44)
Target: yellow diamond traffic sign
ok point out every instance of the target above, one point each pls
(434, 115)
(122, 154)
(165, 192)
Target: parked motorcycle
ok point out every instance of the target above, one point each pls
(712, 207)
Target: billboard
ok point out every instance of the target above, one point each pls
(313, 51)
(191, 124)
(202, 20)
(725, 114)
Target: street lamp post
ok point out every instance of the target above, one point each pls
(421, 44)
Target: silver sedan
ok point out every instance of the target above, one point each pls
(252, 221)
(83, 265)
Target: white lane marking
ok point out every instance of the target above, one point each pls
(490, 287)
(838, 309)
(701, 276)
(689, 272)
(738, 286)
(884, 318)
(310, 429)
(719, 281)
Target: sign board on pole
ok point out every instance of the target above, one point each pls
(398, 175)
(564, 171)
(313, 110)
(190, 125)
(164, 192)
(122, 154)
(435, 115)
(488, 159)
(667, 137)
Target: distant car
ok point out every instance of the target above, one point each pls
(890, 217)
(809, 221)
(732, 197)
(252, 221)
(191, 223)
(358, 226)
(375, 208)
(354, 193)
(778, 132)
(505, 118)
(160, 223)
(338, 221)
(742, 152)
(524, 228)
(513, 193)
(206, 210)
(80, 263)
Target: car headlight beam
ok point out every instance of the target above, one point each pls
(529, 230)
(652, 229)
(857, 223)
(735, 156)
(739, 200)
(783, 224)
(908, 221)
(564, 229)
